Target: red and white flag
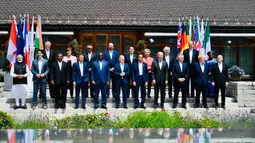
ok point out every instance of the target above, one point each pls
(12, 47)
(26, 41)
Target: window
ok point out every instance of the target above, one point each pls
(229, 55)
(246, 60)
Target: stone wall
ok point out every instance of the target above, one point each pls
(243, 92)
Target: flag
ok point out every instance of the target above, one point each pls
(193, 29)
(12, 47)
(201, 35)
(20, 41)
(179, 35)
(197, 35)
(188, 29)
(184, 41)
(207, 41)
(38, 38)
(26, 42)
(31, 42)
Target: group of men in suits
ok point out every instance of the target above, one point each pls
(126, 72)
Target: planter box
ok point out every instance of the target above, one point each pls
(8, 81)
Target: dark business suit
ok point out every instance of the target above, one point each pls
(50, 59)
(60, 78)
(100, 77)
(81, 82)
(39, 81)
(121, 82)
(171, 62)
(190, 64)
(128, 61)
(220, 79)
(89, 61)
(140, 81)
(178, 73)
(112, 61)
(201, 82)
(161, 76)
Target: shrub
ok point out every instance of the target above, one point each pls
(6, 121)
(91, 121)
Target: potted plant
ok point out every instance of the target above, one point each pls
(236, 73)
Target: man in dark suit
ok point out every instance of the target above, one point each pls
(100, 78)
(131, 58)
(159, 79)
(39, 70)
(190, 57)
(80, 80)
(112, 57)
(49, 55)
(140, 79)
(60, 78)
(90, 57)
(170, 62)
(201, 69)
(181, 75)
(220, 80)
(121, 72)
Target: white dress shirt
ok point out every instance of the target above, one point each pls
(140, 67)
(110, 53)
(81, 68)
(160, 64)
(60, 65)
(202, 66)
(180, 64)
(47, 53)
(122, 67)
(101, 65)
(89, 56)
(40, 66)
(190, 55)
(220, 67)
(131, 58)
(167, 60)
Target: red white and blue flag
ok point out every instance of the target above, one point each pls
(179, 36)
(26, 28)
(197, 41)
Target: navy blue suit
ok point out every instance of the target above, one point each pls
(178, 73)
(81, 82)
(121, 82)
(92, 59)
(201, 82)
(100, 77)
(39, 81)
(112, 62)
(140, 81)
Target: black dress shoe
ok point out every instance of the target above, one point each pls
(174, 106)
(24, 107)
(216, 106)
(184, 106)
(223, 106)
(117, 107)
(125, 106)
(148, 96)
(136, 107)
(104, 107)
(96, 107)
(155, 106)
(197, 106)
(83, 107)
(72, 97)
(76, 106)
(15, 107)
(142, 106)
(205, 106)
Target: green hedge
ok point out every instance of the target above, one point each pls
(157, 119)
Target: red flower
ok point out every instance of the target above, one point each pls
(107, 113)
(3, 118)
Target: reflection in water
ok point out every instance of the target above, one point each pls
(180, 135)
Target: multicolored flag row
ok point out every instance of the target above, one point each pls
(21, 40)
(193, 29)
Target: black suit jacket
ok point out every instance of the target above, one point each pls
(172, 60)
(51, 58)
(220, 78)
(128, 61)
(194, 56)
(201, 78)
(161, 76)
(177, 71)
(92, 59)
(58, 75)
